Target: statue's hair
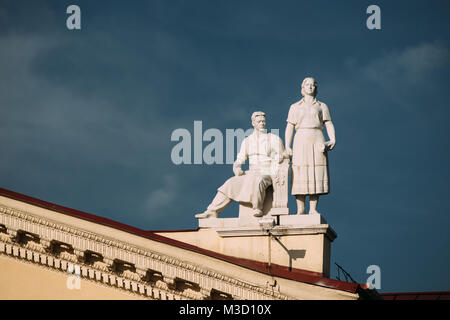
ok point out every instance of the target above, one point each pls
(257, 114)
(315, 83)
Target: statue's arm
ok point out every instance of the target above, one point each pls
(331, 134)
(288, 137)
(240, 159)
(277, 153)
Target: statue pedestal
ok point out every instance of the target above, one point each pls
(247, 220)
(293, 241)
(296, 241)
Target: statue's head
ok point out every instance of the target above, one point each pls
(259, 120)
(309, 87)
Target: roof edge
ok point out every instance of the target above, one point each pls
(305, 276)
(415, 293)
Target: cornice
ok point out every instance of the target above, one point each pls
(28, 260)
(171, 269)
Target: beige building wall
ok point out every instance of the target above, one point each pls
(307, 251)
(161, 268)
(20, 280)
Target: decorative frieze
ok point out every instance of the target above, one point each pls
(72, 244)
(4, 237)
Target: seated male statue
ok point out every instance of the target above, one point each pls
(264, 151)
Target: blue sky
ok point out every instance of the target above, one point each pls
(86, 116)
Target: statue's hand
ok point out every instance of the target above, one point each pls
(330, 144)
(281, 157)
(238, 171)
(288, 152)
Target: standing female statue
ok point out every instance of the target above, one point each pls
(309, 151)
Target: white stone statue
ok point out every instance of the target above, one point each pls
(309, 151)
(265, 151)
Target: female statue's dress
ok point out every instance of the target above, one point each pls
(309, 154)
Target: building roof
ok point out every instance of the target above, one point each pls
(430, 295)
(305, 276)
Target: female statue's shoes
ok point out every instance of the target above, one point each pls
(206, 214)
(257, 213)
(304, 213)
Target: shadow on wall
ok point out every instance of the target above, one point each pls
(293, 254)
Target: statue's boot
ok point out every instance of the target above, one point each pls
(219, 203)
(206, 214)
(258, 213)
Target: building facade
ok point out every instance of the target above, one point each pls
(49, 251)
